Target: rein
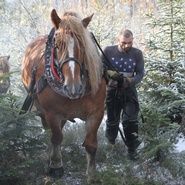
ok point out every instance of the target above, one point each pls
(106, 62)
(119, 88)
(109, 64)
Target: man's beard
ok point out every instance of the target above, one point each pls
(127, 48)
(124, 50)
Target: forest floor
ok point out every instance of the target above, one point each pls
(113, 165)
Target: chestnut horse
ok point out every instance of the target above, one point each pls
(68, 83)
(4, 68)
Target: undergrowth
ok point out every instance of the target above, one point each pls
(23, 161)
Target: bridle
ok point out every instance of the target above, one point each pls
(78, 62)
(55, 47)
(53, 73)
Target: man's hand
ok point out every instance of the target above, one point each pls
(127, 81)
(114, 75)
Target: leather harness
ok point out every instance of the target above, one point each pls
(52, 75)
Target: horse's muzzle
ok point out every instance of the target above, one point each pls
(73, 91)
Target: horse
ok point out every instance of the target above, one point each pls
(4, 68)
(64, 72)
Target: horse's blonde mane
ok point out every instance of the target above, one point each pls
(92, 62)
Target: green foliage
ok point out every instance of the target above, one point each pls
(157, 125)
(164, 82)
(23, 161)
(159, 136)
(20, 140)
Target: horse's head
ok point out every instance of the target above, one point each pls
(4, 68)
(70, 50)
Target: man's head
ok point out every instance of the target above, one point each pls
(125, 40)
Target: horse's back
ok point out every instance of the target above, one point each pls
(33, 55)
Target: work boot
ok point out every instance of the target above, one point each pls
(132, 155)
(110, 140)
(110, 136)
(132, 146)
(137, 143)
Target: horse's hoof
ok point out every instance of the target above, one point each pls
(56, 172)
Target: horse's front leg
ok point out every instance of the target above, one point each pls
(54, 155)
(90, 143)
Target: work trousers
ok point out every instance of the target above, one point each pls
(122, 104)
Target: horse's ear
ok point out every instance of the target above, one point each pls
(55, 19)
(87, 20)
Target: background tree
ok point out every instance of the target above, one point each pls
(163, 86)
(165, 59)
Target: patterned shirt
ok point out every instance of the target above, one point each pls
(130, 63)
(124, 64)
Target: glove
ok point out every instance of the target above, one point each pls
(114, 75)
(127, 81)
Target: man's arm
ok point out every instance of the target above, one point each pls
(139, 71)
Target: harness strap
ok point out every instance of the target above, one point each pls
(28, 102)
(40, 84)
(27, 105)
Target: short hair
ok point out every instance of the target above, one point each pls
(126, 33)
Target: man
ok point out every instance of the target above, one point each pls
(122, 98)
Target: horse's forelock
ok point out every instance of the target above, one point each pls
(72, 21)
(70, 14)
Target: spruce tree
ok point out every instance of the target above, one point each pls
(165, 58)
(164, 83)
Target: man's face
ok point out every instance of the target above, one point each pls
(125, 43)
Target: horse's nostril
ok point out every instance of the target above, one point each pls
(80, 89)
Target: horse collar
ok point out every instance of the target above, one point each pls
(51, 72)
